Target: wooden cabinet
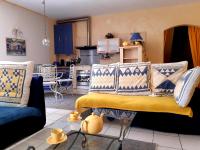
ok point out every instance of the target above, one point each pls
(63, 39)
(108, 46)
(130, 54)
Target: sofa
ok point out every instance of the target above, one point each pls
(128, 90)
(17, 123)
(173, 123)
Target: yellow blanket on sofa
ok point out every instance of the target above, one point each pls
(165, 104)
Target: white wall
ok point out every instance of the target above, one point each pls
(32, 26)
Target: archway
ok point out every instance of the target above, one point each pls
(177, 45)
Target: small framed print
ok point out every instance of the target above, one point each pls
(16, 47)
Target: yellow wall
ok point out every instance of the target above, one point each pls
(152, 22)
(32, 26)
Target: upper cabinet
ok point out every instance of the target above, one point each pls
(108, 45)
(63, 39)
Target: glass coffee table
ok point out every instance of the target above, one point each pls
(79, 141)
(101, 142)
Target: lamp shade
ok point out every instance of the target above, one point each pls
(136, 37)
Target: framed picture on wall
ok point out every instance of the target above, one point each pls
(15, 47)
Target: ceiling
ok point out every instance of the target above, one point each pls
(64, 9)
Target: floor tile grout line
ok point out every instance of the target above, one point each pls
(128, 132)
(167, 134)
(169, 147)
(153, 137)
(180, 141)
(106, 130)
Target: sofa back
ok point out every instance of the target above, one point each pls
(142, 78)
(36, 98)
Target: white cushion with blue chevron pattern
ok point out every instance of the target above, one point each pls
(103, 78)
(165, 76)
(133, 79)
(186, 85)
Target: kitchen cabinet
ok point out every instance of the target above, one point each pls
(108, 46)
(63, 39)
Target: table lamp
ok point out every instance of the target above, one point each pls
(136, 38)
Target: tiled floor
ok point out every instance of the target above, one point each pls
(164, 141)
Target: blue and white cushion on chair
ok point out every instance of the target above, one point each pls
(133, 79)
(186, 85)
(165, 76)
(103, 78)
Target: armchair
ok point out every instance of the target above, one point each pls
(19, 122)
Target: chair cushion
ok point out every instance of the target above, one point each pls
(165, 76)
(10, 114)
(15, 80)
(186, 85)
(133, 79)
(48, 72)
(103, 78)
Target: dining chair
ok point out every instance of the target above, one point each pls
(66, 84)
(50, 78)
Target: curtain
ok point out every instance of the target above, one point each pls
(168, 40)
(194, 38)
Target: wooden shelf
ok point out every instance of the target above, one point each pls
(131, 54)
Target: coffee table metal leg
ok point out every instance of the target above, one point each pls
(120, 146)
(83, 141)
(125, 125)
(123, 131)
(110, 144)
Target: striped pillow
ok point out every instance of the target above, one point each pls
(186, 85)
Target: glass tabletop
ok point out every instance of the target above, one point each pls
(93, 143)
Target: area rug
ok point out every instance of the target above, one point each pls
(68, 101)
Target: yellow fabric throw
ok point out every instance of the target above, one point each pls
(163, 104)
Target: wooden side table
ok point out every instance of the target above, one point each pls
(131, 54)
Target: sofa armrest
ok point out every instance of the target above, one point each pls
(195, 103)
(36, 98)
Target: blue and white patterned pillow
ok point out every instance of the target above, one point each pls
(103, 78)
(186, 85)
(165, 76)
(133, 79)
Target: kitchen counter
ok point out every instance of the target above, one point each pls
(76, 88)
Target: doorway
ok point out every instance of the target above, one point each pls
(177, 45)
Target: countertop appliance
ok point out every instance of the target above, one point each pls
(88, 55)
